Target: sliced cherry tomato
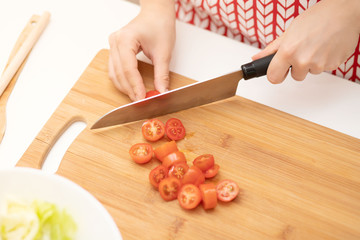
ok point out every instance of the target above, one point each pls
(189, 196)
(227, 190)
(165, 149)
(194, 176)
(173, 158)
(211, 172)
(153, 130)
(204, 162)
(169, 188)
(178, 170)
(174, 128)
(208, 195)
(157, 175)
(141, 152)
(152, 93)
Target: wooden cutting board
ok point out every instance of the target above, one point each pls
(299, 180)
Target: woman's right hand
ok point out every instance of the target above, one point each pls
(151, 31)
(319, 39)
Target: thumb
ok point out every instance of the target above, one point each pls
(161, 74)
(269, 49)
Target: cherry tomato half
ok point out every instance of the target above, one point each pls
(153, 130)
(194, 176)
(175, 130)
(165, 149)
(204, 162)
(227, 190)
(157, 175)
(211, 172)
(141, 152)
(173, 158)
(178, 170)
(152, 93)
(169, 188)
(208, 195)
(189, 196)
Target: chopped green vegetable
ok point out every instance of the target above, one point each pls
(35, 221)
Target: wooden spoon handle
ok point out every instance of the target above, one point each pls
(30, 26)
(23, 51)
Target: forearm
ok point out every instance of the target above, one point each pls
(345, 12)
(355, 7)
(158, 7)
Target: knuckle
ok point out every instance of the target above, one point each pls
(302, 63)
(118, 76)
(287, 51)
(117, 37)
(286, 55)
(112, 38)
(127, 71)
(164, 78)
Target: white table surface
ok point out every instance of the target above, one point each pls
(79, 29)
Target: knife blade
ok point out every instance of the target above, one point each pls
(189, 96)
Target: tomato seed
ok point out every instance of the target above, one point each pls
(141, 151)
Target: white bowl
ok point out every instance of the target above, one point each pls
(92, 219)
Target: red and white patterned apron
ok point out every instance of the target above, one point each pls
(256, 22)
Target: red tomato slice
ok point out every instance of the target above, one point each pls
(153, 130)
(165, 149)
(157, 175)
(169, 188)
(208, 195)
(204, 162)
(211, 172)
(227, 190)
(189, 196)
(194, 176)
(141, 152)
(173, 158)
(178, 170)
(175, 130)
(152, 93)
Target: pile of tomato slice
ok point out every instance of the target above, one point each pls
(174, 178)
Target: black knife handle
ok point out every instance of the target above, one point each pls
(256, 68)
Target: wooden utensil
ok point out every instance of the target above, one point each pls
(299, 180)
(17, 59)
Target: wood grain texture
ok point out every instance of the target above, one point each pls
(29, 27)
(299, 180)
(23, 51)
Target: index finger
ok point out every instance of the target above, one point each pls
(278, 68)
(131, 72)
(124, 61)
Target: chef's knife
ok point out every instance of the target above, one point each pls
(189, 96)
